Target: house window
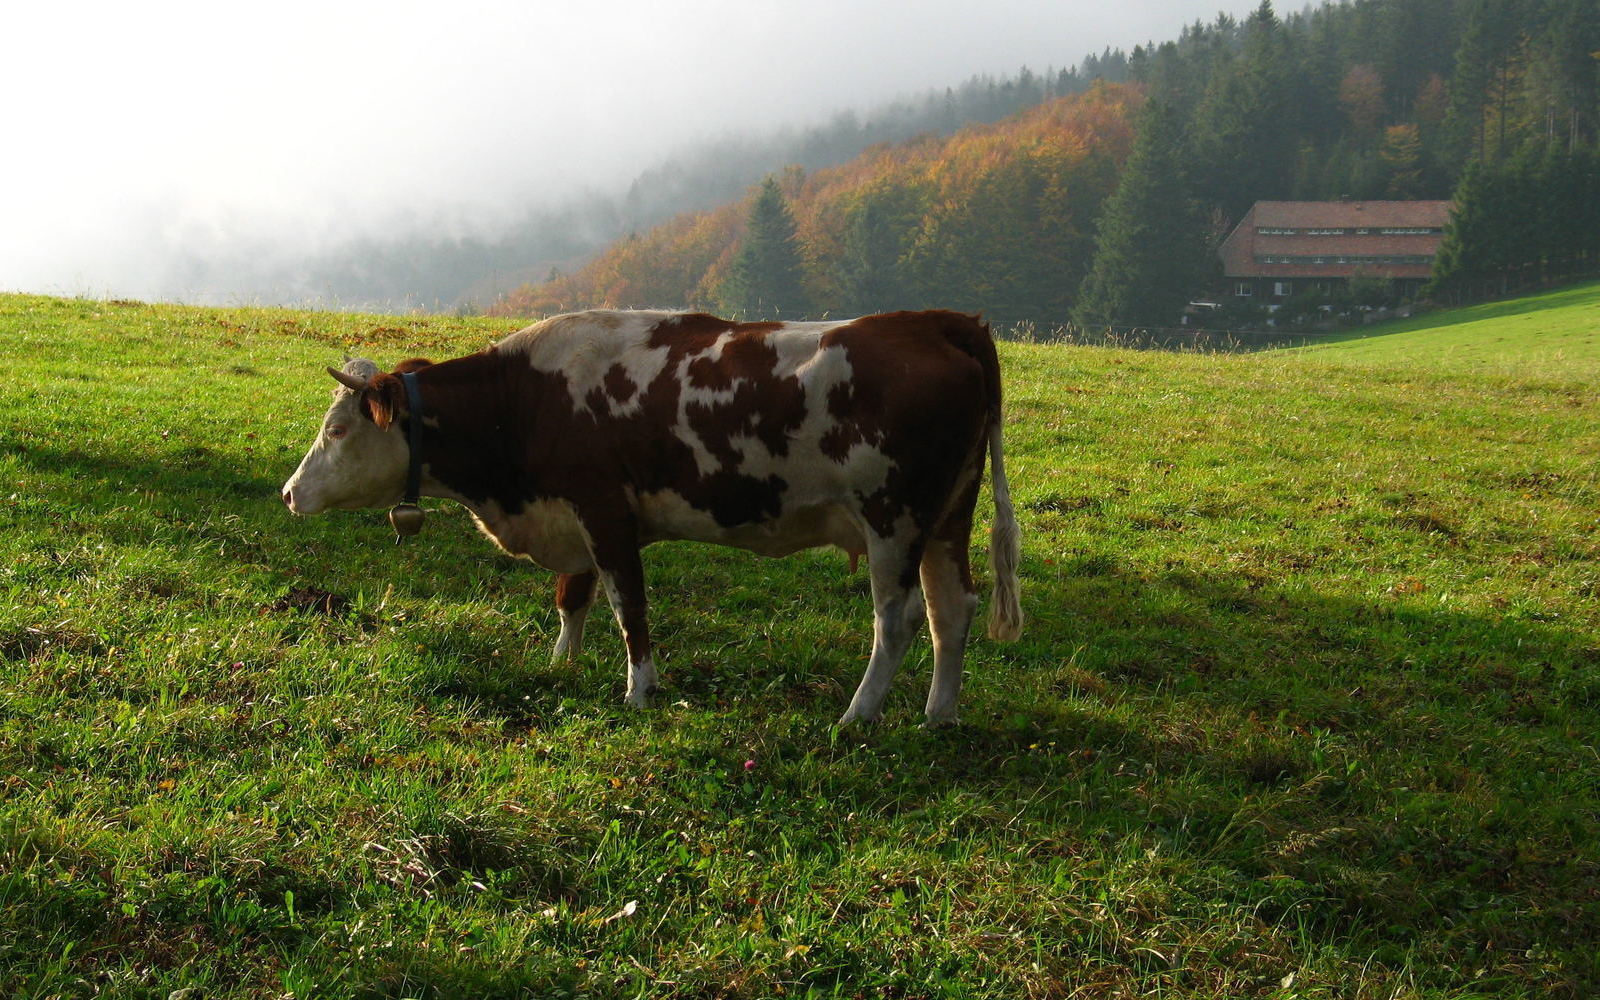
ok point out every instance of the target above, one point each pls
(1282, 289)
(1243, 290)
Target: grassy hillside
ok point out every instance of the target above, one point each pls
(1558, 330)
(1307, 705)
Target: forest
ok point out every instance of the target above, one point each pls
(447, 264)
(1102, 201)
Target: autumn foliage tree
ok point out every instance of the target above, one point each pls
(995, 218)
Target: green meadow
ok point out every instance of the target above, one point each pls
(1307, 705)
(1557, 331)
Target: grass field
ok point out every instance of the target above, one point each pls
(1556, 331)
(1307, 705)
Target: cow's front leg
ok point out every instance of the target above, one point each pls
(574, 597)
(622, 575)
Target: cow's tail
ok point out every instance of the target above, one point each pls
(1005, 607)
(971, 335)
(1005, 544)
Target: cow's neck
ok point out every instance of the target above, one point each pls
(473, 432)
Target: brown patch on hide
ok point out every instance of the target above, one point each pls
(574, 591)
(845, 433)
(618, 385)
(763, 405)
(749, 400)
(921, 392)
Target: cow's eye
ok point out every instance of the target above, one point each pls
(337, 431)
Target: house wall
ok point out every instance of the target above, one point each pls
(1276, 291)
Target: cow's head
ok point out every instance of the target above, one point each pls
(360, 454)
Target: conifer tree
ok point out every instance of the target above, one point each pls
(765, 281)
(1152, 250)
(1463, 262)
(1246, 123)
(868, 271)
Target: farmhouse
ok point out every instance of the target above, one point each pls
(1285, 248)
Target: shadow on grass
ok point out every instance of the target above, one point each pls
(1418, 773)
(195, 490)
(185, 475)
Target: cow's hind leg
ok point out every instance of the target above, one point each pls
(952, 601)
(893, 564)
(622, 575)
(574, 598)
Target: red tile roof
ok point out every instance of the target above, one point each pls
(1351, 214)
(1254, 250)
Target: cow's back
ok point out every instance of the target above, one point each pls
(732, 432)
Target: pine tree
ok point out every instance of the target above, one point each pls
(1151, 255)
(765, 281)
(868, 270)
(1483, 84)
(1246, 123)
(1464, 261)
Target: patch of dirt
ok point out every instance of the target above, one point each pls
(312, 600)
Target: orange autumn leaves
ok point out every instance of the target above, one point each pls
(994, 212)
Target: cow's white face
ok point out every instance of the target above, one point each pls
(352, 463)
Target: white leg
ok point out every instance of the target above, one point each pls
(951, 604)
(574, 598)
(893, 627)
(642, 682)
(569, 643)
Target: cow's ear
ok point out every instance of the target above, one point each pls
(384, 400)
(412, 365)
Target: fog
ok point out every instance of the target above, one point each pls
(164, 150)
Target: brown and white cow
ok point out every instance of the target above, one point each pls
(583, 438)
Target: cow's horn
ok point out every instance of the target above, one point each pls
(349, 381)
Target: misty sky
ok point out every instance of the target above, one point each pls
(136, 128)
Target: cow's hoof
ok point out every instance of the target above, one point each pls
(941, 722)
(853, 718)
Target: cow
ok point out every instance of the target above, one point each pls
(583, 438)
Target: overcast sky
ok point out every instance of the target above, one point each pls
(134, 128)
